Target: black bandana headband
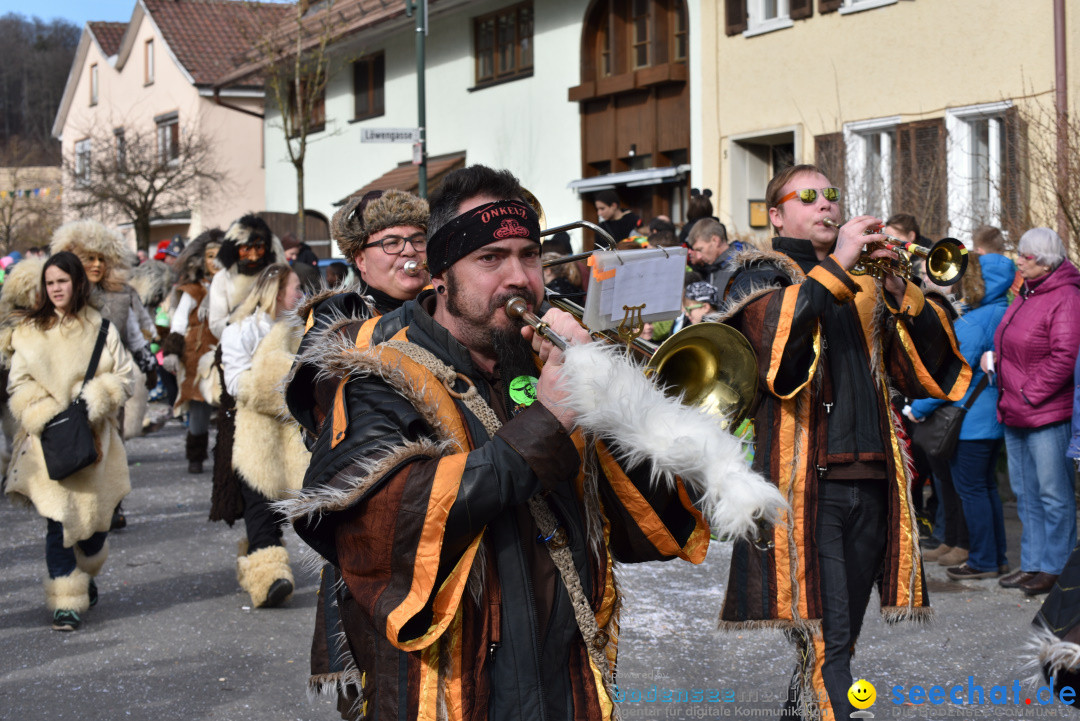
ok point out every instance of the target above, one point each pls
(477, 227)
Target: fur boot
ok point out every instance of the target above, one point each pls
(69, 593)
(91, 564)
(195, 448)
(260, 571)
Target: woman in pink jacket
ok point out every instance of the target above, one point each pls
(1036, 346)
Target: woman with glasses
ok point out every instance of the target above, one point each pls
(268, 455)
(1035, 350)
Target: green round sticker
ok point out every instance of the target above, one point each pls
(523, 390)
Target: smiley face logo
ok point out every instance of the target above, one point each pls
(862, 694)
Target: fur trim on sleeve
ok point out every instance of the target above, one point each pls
(614, 400)
(33, 407)
(104, 394)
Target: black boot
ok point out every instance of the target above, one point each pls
(196, 446)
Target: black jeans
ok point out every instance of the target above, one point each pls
(61, 561)
(852, 517)
(262, 522)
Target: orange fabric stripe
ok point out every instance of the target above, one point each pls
(914, 300)
(367, 328)
(833, 284)
(909, 572)
(788, 465)
(444, 489)
(822, 696)
(455, 708)
(960, 387)
(779, 344)
(310, 322)
(341, 416)
(645, 515)
(429, 684)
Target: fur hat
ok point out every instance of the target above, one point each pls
(248, 229)
(363, 216)
(152, 281)
(190, 264)
(92, 236)
(21, 286)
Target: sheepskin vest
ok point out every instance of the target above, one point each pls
(47, 370)
(198, 341)
(269, 453)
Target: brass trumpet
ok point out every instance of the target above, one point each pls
(946, 260)
(709, 365)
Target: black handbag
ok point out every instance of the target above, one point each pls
(68, 441)
(938, 435)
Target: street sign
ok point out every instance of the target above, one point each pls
(390, 135)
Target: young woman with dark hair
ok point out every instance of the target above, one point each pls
(52, 348)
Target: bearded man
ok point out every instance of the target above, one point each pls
(473, 525)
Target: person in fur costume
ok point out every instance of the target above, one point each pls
(154, 281)
(52, 348)
(441, 465)
(247, 248)
(379, 232)
(828, 437)
(21, 293)
(268, 455)
(107, 262)
(190, 340)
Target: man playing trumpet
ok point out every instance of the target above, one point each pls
(474, 527)
(832, 348)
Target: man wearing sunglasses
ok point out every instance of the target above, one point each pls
(832, 347)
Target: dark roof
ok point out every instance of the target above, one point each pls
(207, 36)
(348, 17)
(108, 36)
(406, 176)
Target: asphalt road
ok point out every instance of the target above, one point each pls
(174, 637)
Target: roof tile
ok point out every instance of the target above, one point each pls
(108, 36)
(207, 36)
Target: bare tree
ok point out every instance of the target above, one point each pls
(295, 65)
(29, 197)
(141, 174)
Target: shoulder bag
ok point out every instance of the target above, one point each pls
(68, 441)
(938, 435)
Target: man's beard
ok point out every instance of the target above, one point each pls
(481, 334)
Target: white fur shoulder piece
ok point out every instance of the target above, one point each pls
(615, 401)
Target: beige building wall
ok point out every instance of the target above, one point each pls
(908, 60)
(126, 100)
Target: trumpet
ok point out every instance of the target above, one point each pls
(709, 365)
(946, 260)
(413, 267)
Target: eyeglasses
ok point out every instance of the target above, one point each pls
(394, 244)
(689, 308)
(809, 195)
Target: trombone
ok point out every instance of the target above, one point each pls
(946, 260)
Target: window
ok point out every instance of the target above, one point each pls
(679, 34)
(316, 122)
(368, 76)
(869, 166)
(764, 16)
(854, 6)
(82, 161)
(148, 62)
(640, 22)
(94, 84)
(121, 149)
(168, 138)
(503, 42)
(975, 158)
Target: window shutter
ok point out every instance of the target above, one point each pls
(828, 6)
(920, 179)
(801, 9)
(735, 16)
(829, 155)
(1013, 186)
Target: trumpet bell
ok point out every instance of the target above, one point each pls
(946, 261)
(712, 366)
